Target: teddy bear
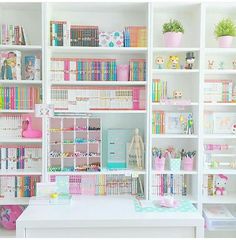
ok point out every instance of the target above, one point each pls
(220, 183)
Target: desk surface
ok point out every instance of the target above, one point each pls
(95, 211)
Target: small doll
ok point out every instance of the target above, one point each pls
(189, 129)
(173, 62)
(211, 64)
(220, 183)
(190, 59)
(177, 94)
(234, 64)
(159, 62)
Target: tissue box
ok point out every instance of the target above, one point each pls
(111, 39)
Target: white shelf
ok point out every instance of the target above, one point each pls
(103, 111)
(21, 140)
(16, 111)
(220, 104)
(100, 83)
(171, 50)
(220, 171)
(14, 201)
(21, 47)
(174, 136)
(174, 71)
(173, 105)
(4, 233)
(20, 172)
(175, 172)
(221, 154)
(93, 50)
(21, 82)
(220, 50)
(220, 72)
(219, 136)
(103, 172)
(230, 198)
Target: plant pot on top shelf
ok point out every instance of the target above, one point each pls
(225, 31)
(172, 32)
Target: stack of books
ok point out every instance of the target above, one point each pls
(137, 69)
(135, 36)
(85, 36)
(12, 35)
(159, 90)
(59, 33)
(158, 120)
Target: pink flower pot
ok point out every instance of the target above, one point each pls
(187, 164)
(225, 41)
(123, 72)
(172, 39)
(159, 164)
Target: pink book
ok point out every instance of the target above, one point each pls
(66, 69)
(136, 95)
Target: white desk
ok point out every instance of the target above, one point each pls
(105, 217)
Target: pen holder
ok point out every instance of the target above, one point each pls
(159, 163)
(123, 72)
(187, 163)
(175, 164)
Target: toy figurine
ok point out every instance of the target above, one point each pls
(221, 65)
(189, 129)
(137, 144)
(234, 64)
(27, 130)
(177, 94)
(211, 64)
(159, 62)
(173, 62)
(220, 183)
(190, 59)
(234, 128)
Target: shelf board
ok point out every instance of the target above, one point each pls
(221, 154)
(221, 50)
(172, 105)
(20, 172)
(21, 47)
(102, 111)
(220, 104)
(21, 82)
(100, 83)
(103, 172)
(230, 198)
(175, 172)
(219, 72)
(14, 201)
(174, 136)
(174, 71)
(4, 233)
(16, 111)
(21, 140)
(165, 49)
(220, 171)
(106, 50)
(219, 136)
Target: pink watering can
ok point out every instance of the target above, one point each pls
(27, 130)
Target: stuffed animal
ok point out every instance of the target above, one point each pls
(173, 62)
(220, 183)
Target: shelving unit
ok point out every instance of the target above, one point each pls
(115, 16)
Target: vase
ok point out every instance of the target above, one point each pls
(172, 39)
(187, 164)
(175, 164)
(225, 41)
(159, 163)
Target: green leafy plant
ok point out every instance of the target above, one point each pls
(225, 27)
(173, 26)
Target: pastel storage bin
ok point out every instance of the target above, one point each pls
(187, 164)
(175, 164)
(123, 72)
(159, 163)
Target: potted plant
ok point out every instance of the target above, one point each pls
(173, 31)
(187, 160)
(158, 159)
(225, 30)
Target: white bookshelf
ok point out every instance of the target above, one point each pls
(115, 16)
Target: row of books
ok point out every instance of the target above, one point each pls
(19, 98)
(218, 91)
(103, 185)
(137, 70)
(18, 186)
(135, 36)
(11, 126)
(158, 122)
(169, 184)
(11, 66)
(64, 34)
(20, 157)
(76, 69)
(209, 185)
(12, 35)
(159, 90)
(98, 98)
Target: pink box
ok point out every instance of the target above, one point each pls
(123, 72)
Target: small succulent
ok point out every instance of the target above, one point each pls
(225, 27)
(173, 26)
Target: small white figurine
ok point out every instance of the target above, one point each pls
(137, 144)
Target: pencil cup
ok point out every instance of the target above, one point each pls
(159, 163)
(175, 164)
(123, 72)
(187, 164)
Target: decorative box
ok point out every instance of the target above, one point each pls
(111, 39)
